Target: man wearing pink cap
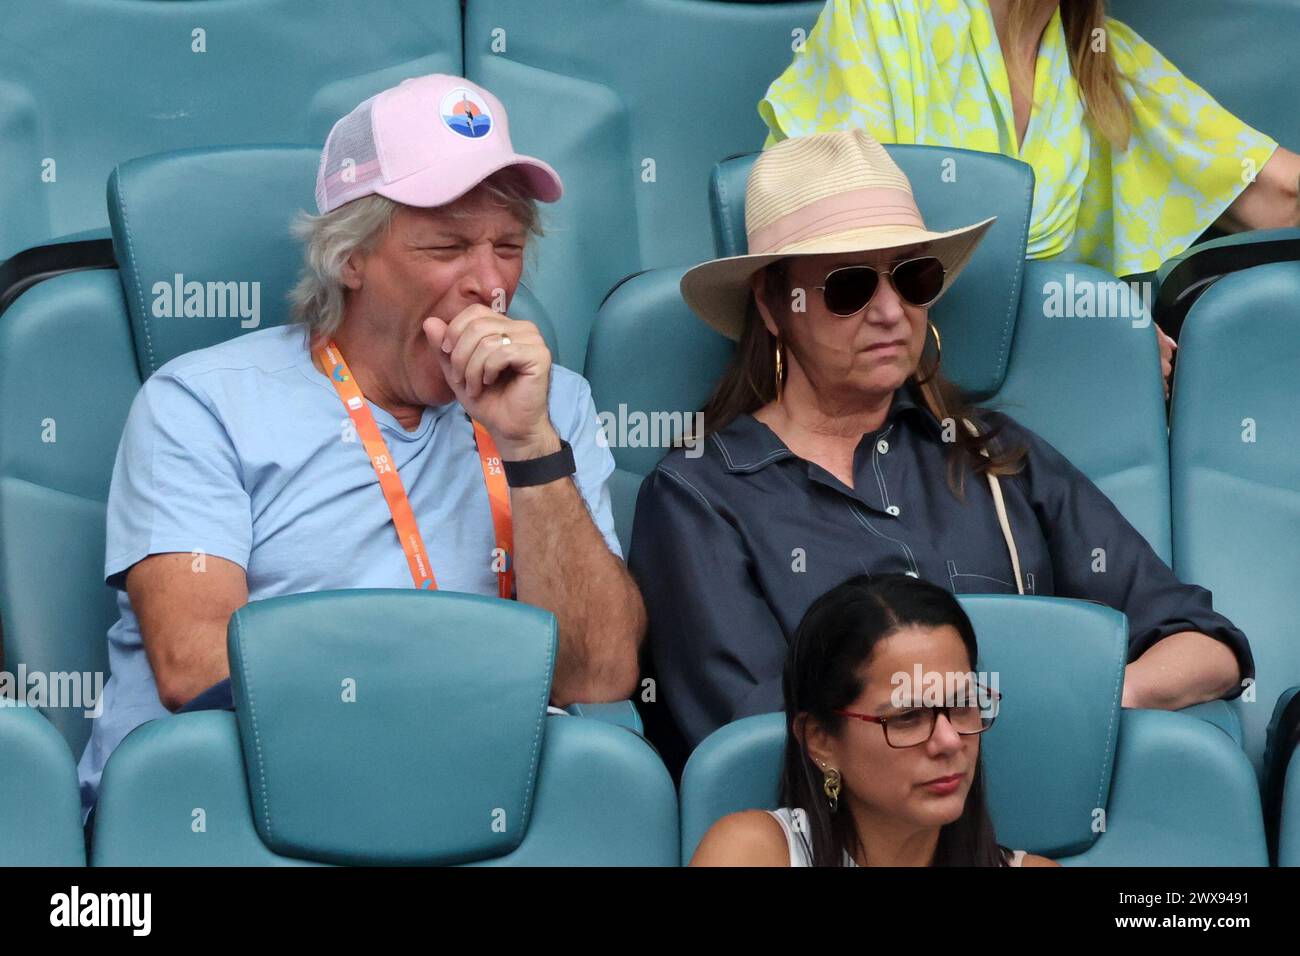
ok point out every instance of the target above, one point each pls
(404, 431)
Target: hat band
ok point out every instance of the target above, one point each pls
(870, 206)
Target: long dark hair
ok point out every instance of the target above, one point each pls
(835, 639)
(749, 383)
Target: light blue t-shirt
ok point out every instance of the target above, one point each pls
(244, 451)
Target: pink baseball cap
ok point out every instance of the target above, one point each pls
(425, 142)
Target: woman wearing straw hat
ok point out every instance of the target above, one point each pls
(836, 447)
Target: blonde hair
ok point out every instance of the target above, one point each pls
(332, 237)
(1095, 71)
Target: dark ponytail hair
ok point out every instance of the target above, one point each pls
(834, 640)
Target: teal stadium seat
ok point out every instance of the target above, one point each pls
(67, 377)
(1289, 839)
(1251, 237)
(1060, 376)
(386, 727)
(87, 84)
(1281, 779)
(40, 806)
(1235, 471)
(1070, 775)
(75, 348)
(1243, 52)
(1250, 60)
(1184, 278)
(597, 89)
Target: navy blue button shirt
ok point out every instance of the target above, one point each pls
(731, 547)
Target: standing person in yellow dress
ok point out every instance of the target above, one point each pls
(1132, 160)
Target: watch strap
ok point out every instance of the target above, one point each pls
(541, 471)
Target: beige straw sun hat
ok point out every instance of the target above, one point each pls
(810, 195)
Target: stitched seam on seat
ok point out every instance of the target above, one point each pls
(724, 206)
(538, 730)
(1013, 302)
(1110, 727)
(135, 267)
(252, 720)
(10, 476)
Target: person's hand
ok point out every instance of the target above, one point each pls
(1167, 347)
(500, 371)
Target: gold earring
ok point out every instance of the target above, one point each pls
(780, 370)
(831, 787)
(938, 354)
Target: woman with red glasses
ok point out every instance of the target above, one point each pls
(876, 773)
(835, 446)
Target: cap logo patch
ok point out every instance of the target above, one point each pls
(464, 112)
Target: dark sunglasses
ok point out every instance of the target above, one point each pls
(918, 282)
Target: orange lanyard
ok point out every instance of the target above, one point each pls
(408, 532)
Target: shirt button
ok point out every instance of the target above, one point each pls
(882, 446)
(892, 510)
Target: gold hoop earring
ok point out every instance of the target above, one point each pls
(780, 370)
(831, 787)
(938, 354)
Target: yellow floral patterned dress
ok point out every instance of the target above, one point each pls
(931, 71)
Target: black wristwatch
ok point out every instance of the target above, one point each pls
(540, 471)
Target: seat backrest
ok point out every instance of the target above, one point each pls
(650, 359)
(206, 254)
(1045, 777)
(251, 72)
(1183, 278)
(1020, 336)
(210, 226)
(1182, 794)
(1280, 779)
(1236, 471)
(321, 761)
(202, 241)
(40, 805)
(633, 117)
(1067, 775)
(1250, 63)
(1090, 384)
(67, 376)
(1288, 853)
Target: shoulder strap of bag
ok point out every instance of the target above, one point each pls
(996, 487)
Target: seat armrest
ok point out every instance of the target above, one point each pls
(620, 712)
(1219, 713)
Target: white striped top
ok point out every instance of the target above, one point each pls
(801, 849)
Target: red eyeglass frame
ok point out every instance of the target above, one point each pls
(937, 710)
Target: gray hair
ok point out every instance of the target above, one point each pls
(331, 238)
